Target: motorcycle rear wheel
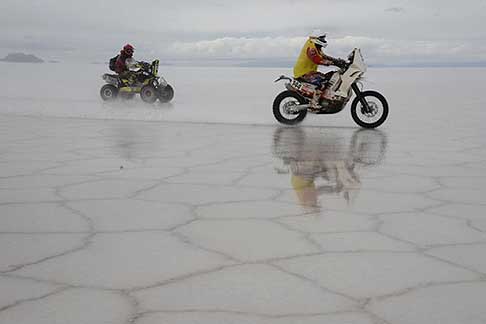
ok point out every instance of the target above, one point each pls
(283, 101)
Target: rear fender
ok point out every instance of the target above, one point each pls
(301, 97)
(110, 79)
(283, 77)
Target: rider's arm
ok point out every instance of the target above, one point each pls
(132, 64)
(317, 58)
(334, 61)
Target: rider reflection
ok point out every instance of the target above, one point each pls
(326, 161)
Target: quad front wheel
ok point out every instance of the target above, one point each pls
(166, 94)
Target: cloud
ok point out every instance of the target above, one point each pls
(395, 10)
(376, 50)
(241, 29)
(239, 47)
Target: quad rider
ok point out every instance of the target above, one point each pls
(125, 64)
(305, 69)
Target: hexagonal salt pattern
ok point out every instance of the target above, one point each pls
(248, 240)
(132, 215)
(48, 217)
(131, 222)
(71, 306)
(21, 250)
(258, 289)
(15, 291)
(222, 317)
(127, 260)
(426, 229)
(441, 304)
(368, 274)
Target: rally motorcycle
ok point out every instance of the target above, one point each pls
(369, 109)
(147, 83)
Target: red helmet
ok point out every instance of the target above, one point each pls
(128, 50)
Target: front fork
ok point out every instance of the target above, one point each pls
(361, 99)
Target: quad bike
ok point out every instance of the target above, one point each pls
(147, 83)
(369, 109)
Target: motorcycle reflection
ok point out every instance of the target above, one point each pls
(326, 161)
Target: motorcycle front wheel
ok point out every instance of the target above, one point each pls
(166, 94)
(282, 106)
(376, 113)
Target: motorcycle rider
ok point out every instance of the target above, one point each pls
(305, 69)
(125, 64)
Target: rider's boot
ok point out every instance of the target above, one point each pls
(314, 103)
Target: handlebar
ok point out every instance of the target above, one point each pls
(341, 63)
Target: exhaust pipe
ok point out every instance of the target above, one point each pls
(298, 108)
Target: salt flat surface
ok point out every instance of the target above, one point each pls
(134, 213)
(431, 97)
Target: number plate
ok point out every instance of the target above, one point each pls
(296, 84)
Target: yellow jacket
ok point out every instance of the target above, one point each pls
(304, 64)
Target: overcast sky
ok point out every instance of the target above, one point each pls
(389, 32)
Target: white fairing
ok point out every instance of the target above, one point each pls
(355, 71)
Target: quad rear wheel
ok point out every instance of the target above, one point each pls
(108, 92)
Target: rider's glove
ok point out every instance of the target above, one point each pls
(340, 63)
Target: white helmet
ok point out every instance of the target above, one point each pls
(319, 40)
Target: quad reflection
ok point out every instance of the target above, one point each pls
(325, 162)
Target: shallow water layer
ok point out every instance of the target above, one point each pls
(431, 98)
(191, 222)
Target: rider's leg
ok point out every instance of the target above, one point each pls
(318, 79)
(132, 77)
(129, 77)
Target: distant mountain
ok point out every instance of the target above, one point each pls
(22, 58)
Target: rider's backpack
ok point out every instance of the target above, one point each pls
(113, 62)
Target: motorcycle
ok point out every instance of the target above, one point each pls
(369, 109)
(148, 84)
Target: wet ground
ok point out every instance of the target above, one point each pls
(132, 213)
(160, 222)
